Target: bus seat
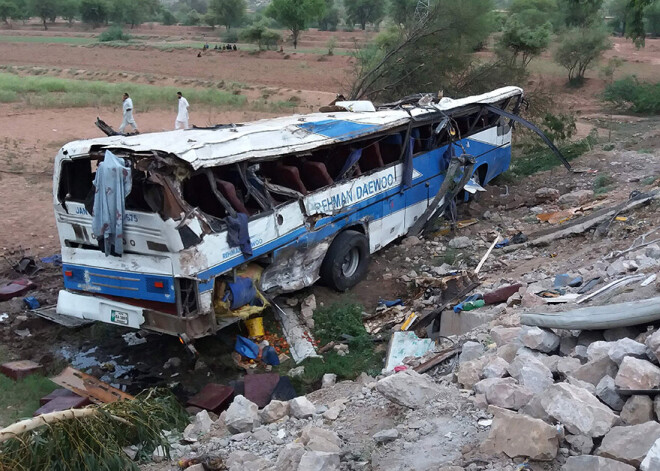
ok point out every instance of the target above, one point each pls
(315, 175)
(371, 158)
(228, 190)
(390, 148)
(289, 176)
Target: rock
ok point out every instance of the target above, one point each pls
(629, 443)
(173, 362)
(332, 413)
(567, 344)
(606, 392)
(580, 443)
(321, 444)
(612, 335)
(567, 365)
(329, 380)
(582, 384)
(460, 243)
(301, 407)
(385, 436)
(159, 454)
(497, 368)
(240, 460)
(593, 371)
(508, 395)
(411, 241)
(307, 307)
(576, 198)
(517, 435)
(531, 373)
(289, 457)
(637, 410)
(594, 463)
(311, 432)
(471, 351)
(580, 411)
(319, 461)
(580, 351)
(481, 386)
(201, 426)
(469, 373)
(297, 371)
(653, 343)
(544, 195)
(535, 409)
(274, 411)
(508, 352)
(262, 435)
(637, 374)
(505, 335)
(626, 347)
(196, 467)
(408, 388)
(598, 350)
(242, 415)
(539, 339)
(652, 460)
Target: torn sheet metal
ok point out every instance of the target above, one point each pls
(50, 313)
(297, 336)
(88, 386)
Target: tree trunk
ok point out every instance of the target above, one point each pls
(295, 39)
(364, 25)
(45, 24)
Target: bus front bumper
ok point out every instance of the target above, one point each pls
(99, 309)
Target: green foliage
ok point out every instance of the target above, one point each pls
(114, 33)
(652, 15)
(230, 36)
(365, 11)
(339, 319)
(639, 97)
(602, 184)
(192, 18)
(559, 127)
(579, 48)
(69, 9)
(7, 10)
(296, 15)
(431, 56)
(19, 399)
(402, 12)
(94, 12)
(44, 9)
(96, 442)
(520, 41)
(20, 10)
(259, 34)
(228, 12)
(580, 13)
(528, 160)
(331, 45)
(132, 12)
(167, 17)
(536, 13)
(329, 20)
(635, 29)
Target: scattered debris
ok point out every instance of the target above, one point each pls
(88, 386)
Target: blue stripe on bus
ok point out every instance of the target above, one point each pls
(339, 129)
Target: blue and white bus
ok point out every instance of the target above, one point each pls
(318, 193)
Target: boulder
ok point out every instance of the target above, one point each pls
(594, 463)
(580, 443)
(535, 409)
(593, 371)
(598, 350)
(652, 460)
(517, 435)
(606, 392)
(301, 407)
(289, 457)
(539, 339)
(506, 394)
(637, 374)
(469, 373)
(508, 352)
(630, 443)
(626, 347)
(385, 436)
(637, 410)
(581, 384)
(544, 195)
(484, 384)
(332, 413)
(531, 373)
(471, 351)
(409, 388)
(201, 426)
(274, 411)
(576, 198)
(461, 242)
(496, 368)
(567, 344)
(579, 410)
(311, 432)
(239, 460)
(653, 343)
(319, 461)
(242, 415)
(618, 333)
(567, 365)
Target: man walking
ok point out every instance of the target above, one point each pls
(182, 116)
(128, 115)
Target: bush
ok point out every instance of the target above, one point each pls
(559, 127)
(114, 33)
(579, 48)
(192, 18)
(230, 36)
(259, 34)
(168, 18)
(639, 97)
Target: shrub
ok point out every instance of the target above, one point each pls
(230, 36)
(579, 48)
(114, 33)
(331, 45)
(639, 97)
(168, 18)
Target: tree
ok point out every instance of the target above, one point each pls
(534, 13)
(7, 10)
(44, 9)
(364, 11)
(652, 14)
(635, 29)
(69, 9)
(402, 11)
(133, 12)
(579, 48)
(520, 41)
(258, 33)
(228, 12)
(580, 13)
(94, 12)
(330, 18)
(168, 17)
(295, 14)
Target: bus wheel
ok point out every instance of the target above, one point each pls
(347, 260)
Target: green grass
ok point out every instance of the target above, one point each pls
(537, 159)
(50, 92)
(331, 323)
(603, 184)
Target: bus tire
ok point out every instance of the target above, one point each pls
(347, 260)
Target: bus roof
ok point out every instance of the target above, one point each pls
(277, 136)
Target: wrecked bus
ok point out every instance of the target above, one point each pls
(318, 193)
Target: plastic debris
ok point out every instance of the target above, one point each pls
(31, 302)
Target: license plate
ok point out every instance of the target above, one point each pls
(119, 317)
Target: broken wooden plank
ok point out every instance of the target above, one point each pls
(88, 386)
(436, 360)
(485, 257)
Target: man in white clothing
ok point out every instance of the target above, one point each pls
(182, 116)
(128, 115)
